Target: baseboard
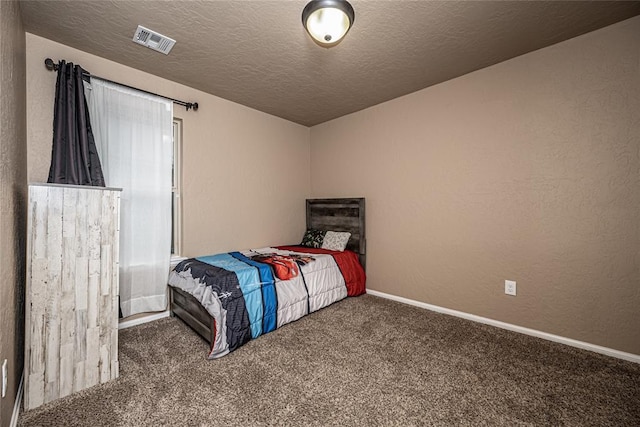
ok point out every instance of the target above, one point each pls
(139, 321)
(533, 332)
(16, 405)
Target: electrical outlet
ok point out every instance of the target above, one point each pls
(510, 287)
(4, 378)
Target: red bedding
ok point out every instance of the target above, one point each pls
(348, 262)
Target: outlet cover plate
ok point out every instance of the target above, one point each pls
(510, 287)
(4, 378)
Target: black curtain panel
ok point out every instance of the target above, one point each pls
(74, 157)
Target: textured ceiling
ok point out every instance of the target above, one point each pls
(257, 53)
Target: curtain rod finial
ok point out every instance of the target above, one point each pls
(51, 66)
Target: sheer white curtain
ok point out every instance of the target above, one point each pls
(133, 133)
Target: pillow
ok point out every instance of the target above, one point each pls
(313, 238)
(335, 241)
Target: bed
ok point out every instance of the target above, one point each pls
(234, 297)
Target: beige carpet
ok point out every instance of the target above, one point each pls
(363, 361)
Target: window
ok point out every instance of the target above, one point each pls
(176, 205)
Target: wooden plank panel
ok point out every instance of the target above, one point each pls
(72, 286)
(34, 386)
(35, 390)
(27, 332)
(347, 223)
(67, 308)
(40, 208)
(114, 351)
(82, 284)
(35, 355)
(82, 255)
(106, 319)
(115, 301)
(94, 211)
(94, 214)
(92, 293)
(92, 368)
(80, 348)
(116, 247)
(187, 308)
(106, 238)
(66, 369)
(183, 299)
(69, 215)
(340, 214)
(82, 225)
(115, 369)
(105, 363)
(81, 295)
(51, 389)
(344, 212)
(37, 316)
(105, 269)
(333, 204)
(79, 382)
(54, 293)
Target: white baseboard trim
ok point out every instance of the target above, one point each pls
(146, 319)
(533, 332)
(16, 405)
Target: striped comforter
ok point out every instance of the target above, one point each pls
(253, 292)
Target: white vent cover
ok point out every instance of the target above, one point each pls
(153, 40)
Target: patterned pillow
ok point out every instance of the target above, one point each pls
(335, 241)
(313, 238)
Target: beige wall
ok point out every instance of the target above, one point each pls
(245, 173)
(528, 170)
(13, 179)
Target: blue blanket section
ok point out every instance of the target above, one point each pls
(269, 298)
(250, 285)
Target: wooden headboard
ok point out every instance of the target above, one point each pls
(341, 215)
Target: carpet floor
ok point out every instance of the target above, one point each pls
(364, 361)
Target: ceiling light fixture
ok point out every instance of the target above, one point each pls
(327, 21)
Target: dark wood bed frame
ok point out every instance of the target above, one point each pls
(322, 214)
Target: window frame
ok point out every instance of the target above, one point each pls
(176, 189)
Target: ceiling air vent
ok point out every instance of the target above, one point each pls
(153, 40)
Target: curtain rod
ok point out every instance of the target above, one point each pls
(51, 66)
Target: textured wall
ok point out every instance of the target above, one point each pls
(528, 170)
(245, 173)
(13, 179)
